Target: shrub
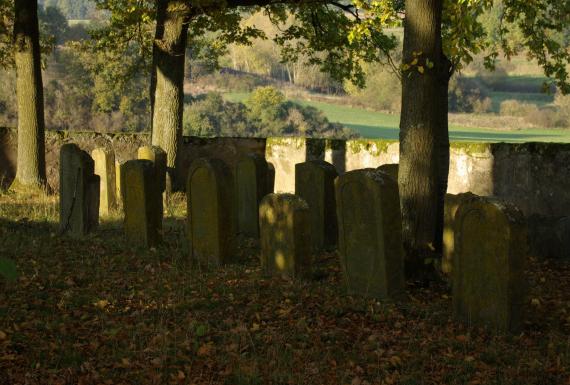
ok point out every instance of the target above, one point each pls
(468, 95)
(383, 90)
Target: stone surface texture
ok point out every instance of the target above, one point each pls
(285, 236)
(489, 287)
(370, 234)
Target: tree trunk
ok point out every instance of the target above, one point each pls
(31, 167)
(424, 138)
(167, 79)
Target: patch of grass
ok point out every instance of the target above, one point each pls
(372, 124)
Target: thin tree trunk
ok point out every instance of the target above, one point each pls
(31, 168)
(424, 141)
(167, 82)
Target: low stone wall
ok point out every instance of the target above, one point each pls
(533, 176)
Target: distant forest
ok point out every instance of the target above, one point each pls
(72, 9)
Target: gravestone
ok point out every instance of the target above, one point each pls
(105, 167)
(118, 183)
(370, 233)
(488, 262)
(285, 236)
(142, 203)
(452, 203)
(253, 182)
(314, 182)
(79, 192)
(390, 169)
(158, 157)
(210, 213)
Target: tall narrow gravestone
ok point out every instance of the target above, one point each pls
(105, 167)
(285, 236)
(79, 192)
(452, 203)
(210, 213)
(490, 250)
(158, 157)
(314, 182)
(142, 203)
(252, 180)
(370, 233)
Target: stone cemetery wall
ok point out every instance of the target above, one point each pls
(533, 176)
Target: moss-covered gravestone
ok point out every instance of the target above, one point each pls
(210, 213)
(78, 192)
(105, 167)
(252, 181)
(370, 233)
(158, 157)
(452, 203)
(285, 236)
(142, 203)
(390, 169)
(314, 182)
(490, 250)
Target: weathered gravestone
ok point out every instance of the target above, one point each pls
(158, 157)
(210, 212)
(390, 169)
(488, 263)
(314, 182)
(142, 203)
(370, 233)
(252, 181)
(452, 203)
(105, 167)
(285, 236)
(78, 192)
(118, 183)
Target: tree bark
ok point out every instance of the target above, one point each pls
(424, 138)
(167, 79)
(31, 167)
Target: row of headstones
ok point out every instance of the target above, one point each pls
(359, 210)
(94, 185)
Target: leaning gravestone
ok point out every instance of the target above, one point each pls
(452, 203)
(370, 233)
(285, 236)
(142, 203)
(252, 181)
(210, 213)
(488, 263)
(105, 167)
(79, 192)
(158, 157)
(314, 182)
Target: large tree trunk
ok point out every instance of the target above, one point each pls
(167, 79)
(424, 138)
(31, 168)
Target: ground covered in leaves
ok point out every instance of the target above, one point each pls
(99, 311)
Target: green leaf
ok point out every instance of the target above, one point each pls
(8, 269)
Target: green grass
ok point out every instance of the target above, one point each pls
(538, 99)
(372, 124)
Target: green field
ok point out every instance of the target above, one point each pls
(371, 124)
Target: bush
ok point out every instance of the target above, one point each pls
(548, 117)
(266, 113)
(468, 95)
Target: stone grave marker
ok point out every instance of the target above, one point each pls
(370, 233)
(489, 287)
(285, 236)
(314, 182)
(210, 213)
(452, 203)
(158, 157)
(105, 167)
(252, 181)
(142, 203)
(79, 192)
